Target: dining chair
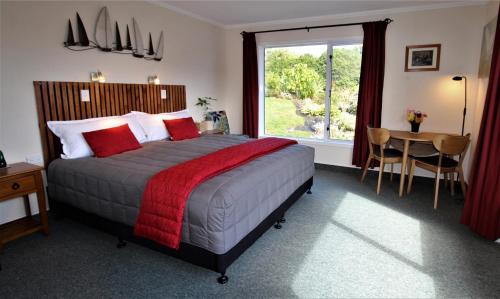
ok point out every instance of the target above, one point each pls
(444, 163)
(377, 141)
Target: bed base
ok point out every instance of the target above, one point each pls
(187, 252)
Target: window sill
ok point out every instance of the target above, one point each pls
(306, 141)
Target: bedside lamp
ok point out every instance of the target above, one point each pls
(459, 78)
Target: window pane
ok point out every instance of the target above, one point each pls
(346, 67)
(295, 91)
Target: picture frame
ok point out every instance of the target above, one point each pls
(422, 58)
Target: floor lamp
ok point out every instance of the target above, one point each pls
(459, 78)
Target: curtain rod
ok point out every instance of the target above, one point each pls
(387, 20)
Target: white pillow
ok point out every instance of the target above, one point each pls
(153, 125)
(73, 142)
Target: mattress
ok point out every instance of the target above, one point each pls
(219, 212)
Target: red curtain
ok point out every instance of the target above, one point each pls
(482, 202)
(250, 86)
(371, 84)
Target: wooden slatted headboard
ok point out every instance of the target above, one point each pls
(61, 101)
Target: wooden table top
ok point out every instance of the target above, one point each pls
(421, 136)
(18, 168)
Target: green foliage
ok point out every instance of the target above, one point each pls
(281, 119)
(273, 84)
(204, 102)
(297, 83)
(309, 107)
(301, 81)
(346, 65)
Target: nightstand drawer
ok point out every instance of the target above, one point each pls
(17, 186)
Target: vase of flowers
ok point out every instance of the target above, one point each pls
(415, 118)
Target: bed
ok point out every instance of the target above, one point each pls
(223, 216)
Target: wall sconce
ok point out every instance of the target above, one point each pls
(154, 80)
(97, 77)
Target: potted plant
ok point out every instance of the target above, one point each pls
(208, 122)
(415, 118)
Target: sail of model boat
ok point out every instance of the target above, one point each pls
(128, 44)
(139, 47)
(82, 33)
(118, 38)
(102, 34)
(151, 50)
(159, 48)
(70, 40)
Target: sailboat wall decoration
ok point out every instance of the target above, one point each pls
(159, 48)
(128, 45)
(102, 33)
(138, 51)
(118, 38)
(83, 40)
(151, 50)
(70, 40)
(106, 42)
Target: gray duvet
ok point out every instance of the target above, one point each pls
(219, 212)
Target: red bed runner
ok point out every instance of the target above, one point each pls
(165, 196)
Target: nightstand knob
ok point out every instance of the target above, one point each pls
(15, 186)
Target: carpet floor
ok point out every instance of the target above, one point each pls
(341, 241)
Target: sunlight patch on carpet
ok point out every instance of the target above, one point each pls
(367, 250)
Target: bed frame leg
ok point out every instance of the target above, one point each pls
(121, 243)
(309, 191)
(282, 219)
(222, 278)
(278, 225)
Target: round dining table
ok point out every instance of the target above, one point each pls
(407, 137)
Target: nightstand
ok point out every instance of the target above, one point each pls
(20, 180)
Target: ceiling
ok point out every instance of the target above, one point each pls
(233, 13)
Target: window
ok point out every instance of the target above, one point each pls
(311, 91)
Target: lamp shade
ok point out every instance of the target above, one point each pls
(457, 78)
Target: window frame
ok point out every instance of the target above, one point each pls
(330, 43)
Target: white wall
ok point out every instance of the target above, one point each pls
(482, 85)
(458, 30)
(31, 49)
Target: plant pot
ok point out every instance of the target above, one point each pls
(206, 125)
(415, 127)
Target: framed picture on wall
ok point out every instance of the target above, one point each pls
(422, 58)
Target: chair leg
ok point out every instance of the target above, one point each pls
(366, 167)
(381, 171)
(436, 189)
(452, 183)
(392, 170)
(446, 179)
(410, 175)
(462, 180)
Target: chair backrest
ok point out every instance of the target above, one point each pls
(379, 137)
(452, 145)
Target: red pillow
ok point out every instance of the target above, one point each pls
(181, 128)
(108, 142)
